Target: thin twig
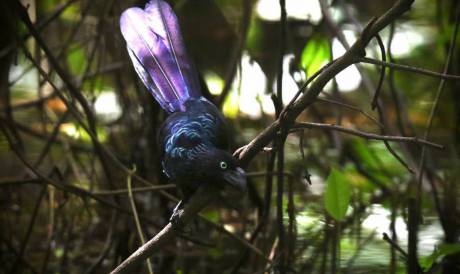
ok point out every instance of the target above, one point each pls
(136, 189)
(13, 251)
(352, 108)
(413, 258)
(400, 108)
(107, 245)
(376, 102)
(407, 68)
(18, 181)
(291, 112)
(79, 192)
(368, 135)
(136, 217)
(72, 88)
(382, 72)
(387, 239)
(20, 257)
(41, 25)
(279, 143)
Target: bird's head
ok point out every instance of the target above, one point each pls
(219, 165)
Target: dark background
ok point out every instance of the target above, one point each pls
(69, 142)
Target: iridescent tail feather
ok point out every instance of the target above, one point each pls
(157, 50)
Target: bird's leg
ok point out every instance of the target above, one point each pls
(176, 212)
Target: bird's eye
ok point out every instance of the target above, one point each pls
(223, 165)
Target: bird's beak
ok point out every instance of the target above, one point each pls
(236, 178)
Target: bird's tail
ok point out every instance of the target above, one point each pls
(158, 54)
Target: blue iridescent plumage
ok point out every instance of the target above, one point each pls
(194, 137)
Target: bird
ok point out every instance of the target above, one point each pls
(194, 138)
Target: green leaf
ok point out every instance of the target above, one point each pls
(356, 179)
(58, 252)
(97, 85)
(212, 215)
(315, 54)
(376, 159)
(443, 250)
(76, 59)
(72, 13)
(364, 152)
(337, 196)
(47, 6)
(254, 42)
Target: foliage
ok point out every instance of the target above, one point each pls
(443, 250)
(337, 195)
(70, 131)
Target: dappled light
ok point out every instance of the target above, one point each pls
(296, 9)
(300, 136)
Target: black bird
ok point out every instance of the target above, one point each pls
(194, 137)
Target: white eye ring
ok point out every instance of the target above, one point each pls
(223, 165)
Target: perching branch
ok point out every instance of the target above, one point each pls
(197, 202)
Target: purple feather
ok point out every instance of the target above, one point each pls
(158, 54)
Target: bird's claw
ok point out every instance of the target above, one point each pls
(239, 151)
(176, 223)
(175, 216)
(174, 219)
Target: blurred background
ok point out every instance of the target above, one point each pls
(74, 125)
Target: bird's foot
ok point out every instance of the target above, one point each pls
(177, 212)
(174, 219)
(176, 223)
(240, 151)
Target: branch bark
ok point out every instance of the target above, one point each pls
(196, 203)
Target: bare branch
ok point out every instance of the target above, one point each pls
(426, 72)
(135, 189)
(369, 135)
